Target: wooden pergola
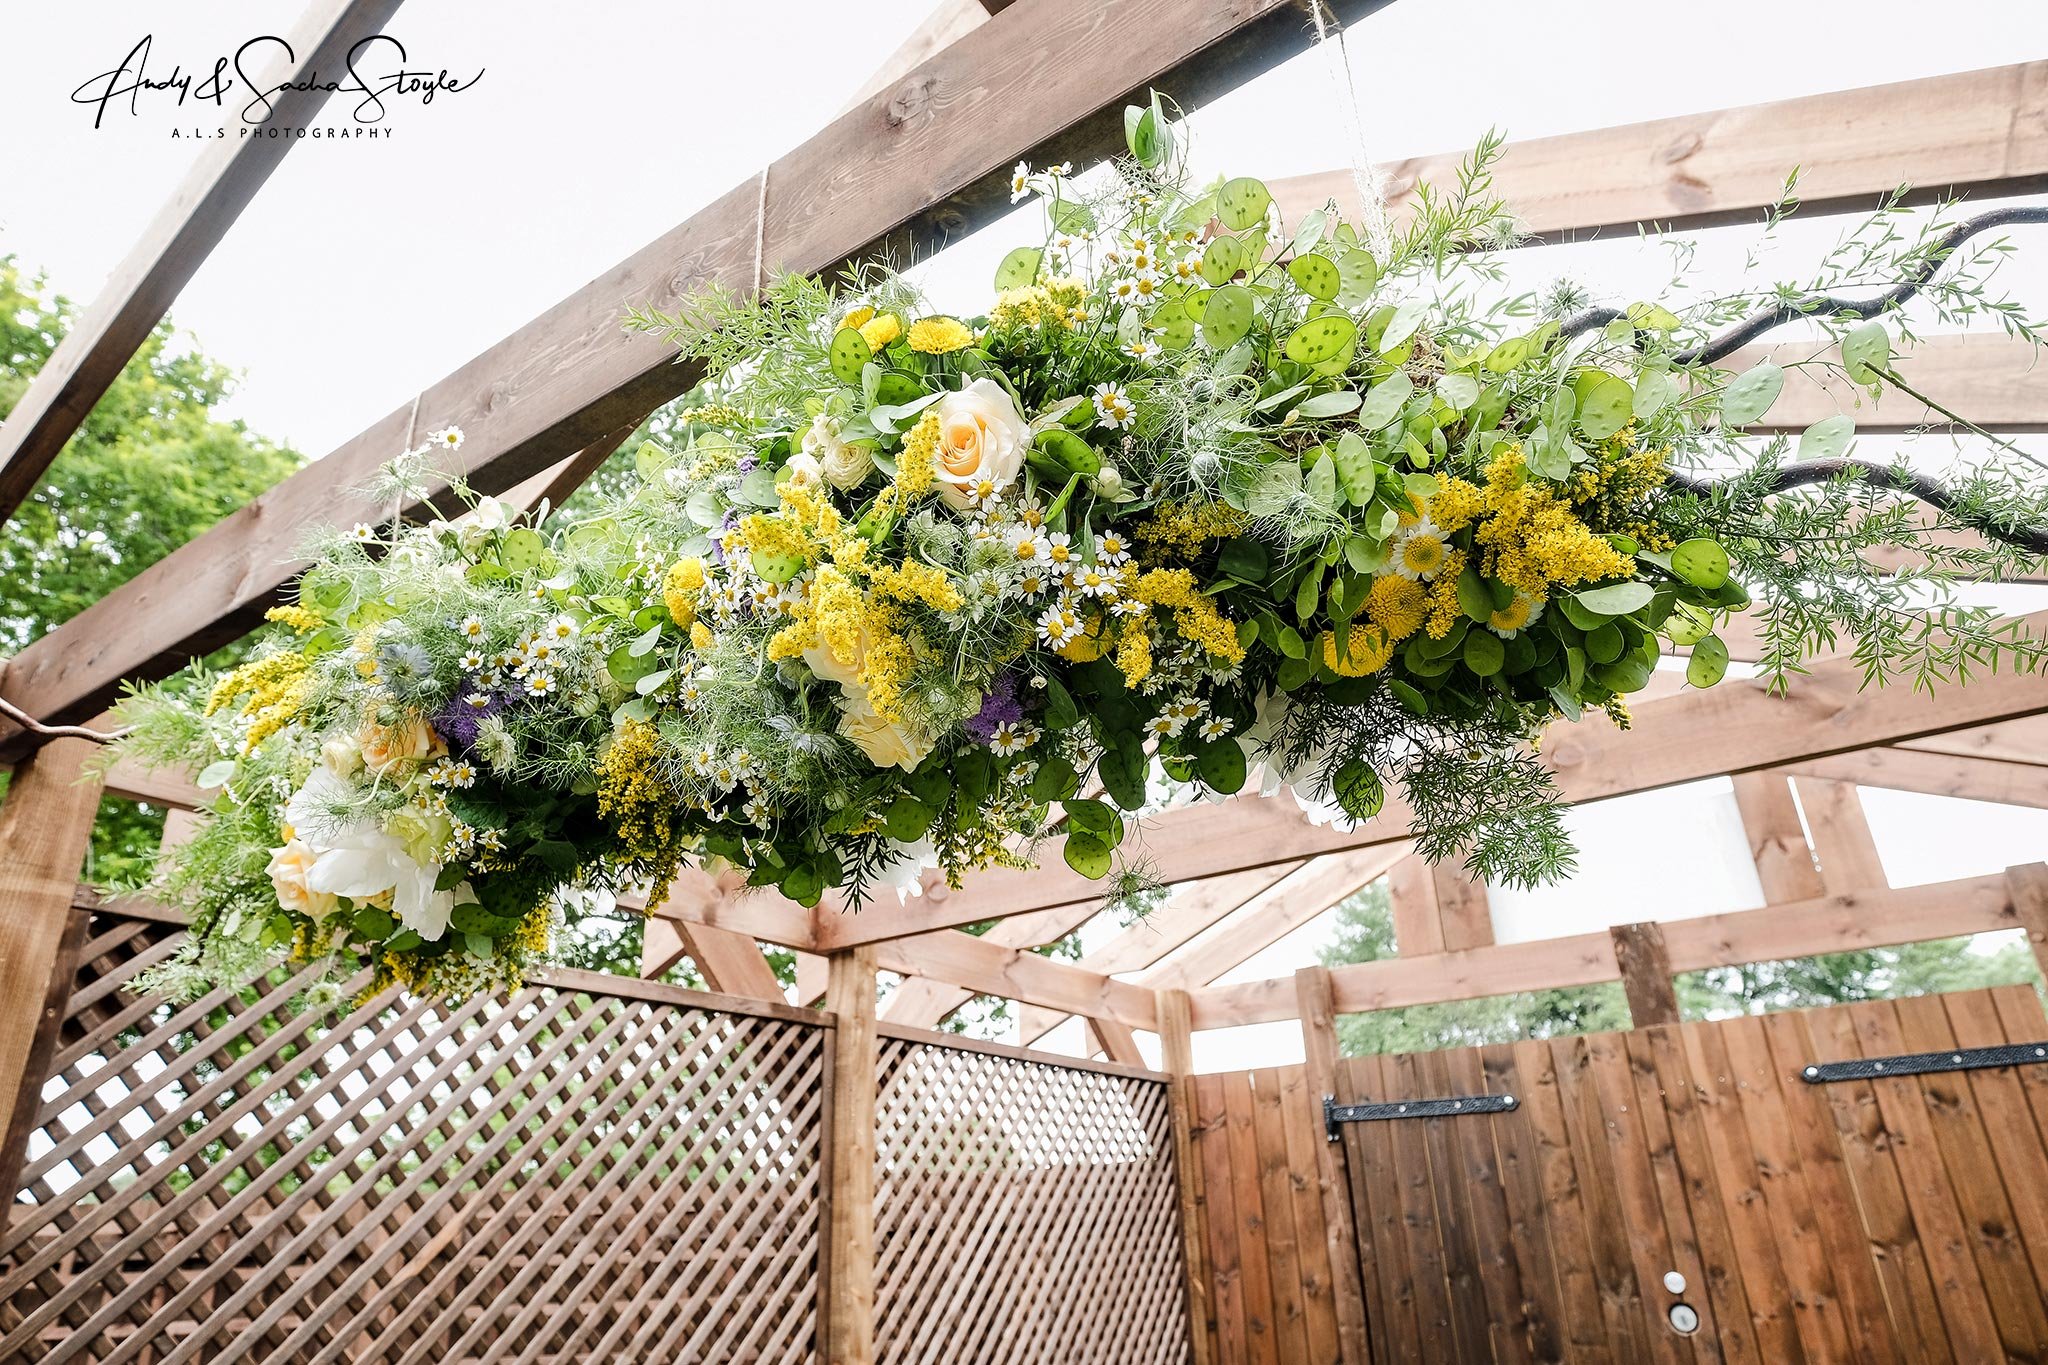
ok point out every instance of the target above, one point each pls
(920, 159)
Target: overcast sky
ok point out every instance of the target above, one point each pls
(365, 271)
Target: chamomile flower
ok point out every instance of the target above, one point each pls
(1216, 727)
(472, 661)
(1517, 616)
(1146, 284)
(1060, 170)
(1188, 268)
(445, 440)
(1113, 407)
(1129, 608)
(1093, 580)
(1144, 348)
(362, 531)
(1186, 708)
(1027, 545)
(1022, 773)
(477, 701)
(1124, 290)
(758, 811)
(1419, 552)
(540, 683)
(984, 493)
(1009, 738)
(1112, 549)
(538, 592)
(472, 627)
(562, 629)
(1035, 582)
(1165, 725)
(1059, 625)
(1058, 550)
(1020, 182)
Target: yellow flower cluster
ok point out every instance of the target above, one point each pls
(301, 620)
(1611, 492)
(1194, 615)
(939, 336)
(680, 586)
(878, 332)
(1179, 530)
(640, 806)
(1444, 608)
(840, 613)
(1532, 540)
(1397, 605)
(1456, 504)
(1368, 651)
(274, 687)
(916, 581)
(891, 657)
(918, 463)
(1134, 653)
(1026, 306)
(713, 415)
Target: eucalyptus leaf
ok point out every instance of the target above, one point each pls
(1616, 599)
(1384, 403)
(1750, 394)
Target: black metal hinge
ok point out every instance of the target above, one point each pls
(1453, 1106)
(1920, 1063)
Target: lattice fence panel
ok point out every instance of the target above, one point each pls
(566, 1174)
(1025, 1213)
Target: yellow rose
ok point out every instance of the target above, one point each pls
(887, 744)
(846, 670)
(288, 868)
(981, 436)
(388, 748)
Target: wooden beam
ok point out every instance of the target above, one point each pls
(2021, 740)
(1988, 377)
(1738, 726)
(2027, 885)
(46, 821)
(1777, 840)
(847, 1278)
(1974, 132)
(1849, 860)
(724, 902)
(1933, 774)
(923, 1001)
(1645, 966)
(1117, 1042)
(1411, 898)
(1177, 1059)
(948, 22)
(1829, 924)
(661, 947)
(222, 181)
(1463, 912)
(1317, 1003)
(900, 176)
(991, 969)
(1194, 907)
(729, 962)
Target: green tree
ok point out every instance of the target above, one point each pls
(1365, 933)
(151, 467)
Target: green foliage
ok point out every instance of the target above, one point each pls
(151, 467)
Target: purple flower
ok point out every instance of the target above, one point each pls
(748, 464)
(459, 719)
(999, 707)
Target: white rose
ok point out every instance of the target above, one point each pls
(886, 743)
(342, 757)
(846, 467)
(981, 436)
(288, 870)
(803, 469)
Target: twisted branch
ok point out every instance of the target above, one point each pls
(1830, 305)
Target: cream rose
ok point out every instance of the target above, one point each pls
(845, 467)
(847, 671)
(387, 748)
(886, 743)
(341, 756)
(288, 868)
(981, 436)
(803, 469)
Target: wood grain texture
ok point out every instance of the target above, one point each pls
(730, 963)
(925, 1001)
(1645, 965)
(846, 1311)
(222, 181)
(1984, 131)
(1015, 974)
(1777, 839)
(1842, 841)
(1178, 1061)
(1934, 774)
(2027, 887)
(1318, 1007)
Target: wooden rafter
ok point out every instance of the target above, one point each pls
(900, 175)
(177, 242)
(1934, 774)
(1977, 131)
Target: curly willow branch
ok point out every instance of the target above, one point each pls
(1829, 305)
(1933, 492)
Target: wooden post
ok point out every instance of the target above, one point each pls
(847, 1314)
(1842, 841)
(1777, 843)
(1117, 1041)
(1465, 917)
(1177, 1059)
(1646, 973)
(1411, 892)
(45, 828)
(1317, 1000)
(2028, 887)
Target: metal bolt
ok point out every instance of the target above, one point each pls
(1880, 1066)
(1508, 1101)
(1811, 1072)
(1956, 1057)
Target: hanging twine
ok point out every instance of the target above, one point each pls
(1379, 233)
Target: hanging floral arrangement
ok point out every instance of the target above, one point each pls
(1202, 501)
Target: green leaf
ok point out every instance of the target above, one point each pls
(523, 550)
(1508, 355)
(850, 355)
(1606, 408)
(1245, 560)
(1095, 817)
(1701, 562)
(1616, 599)
(1241, 204)
(1228, 315)
(1321, 339)
(1088, 856)
(907, 818)
(1317, 275)
(1484, 652)
(1222, 259)
(1358, 789)
(1407, 317)
(1018, 269)
(1473, 597)
(1828, 438)
(1655, 389)
(1709, 662)
(1461, 391)
(1221, 764)
(1123, 776)
(1325, 405)
(1750, 394)
(1359, 272)
(1866, 350)
(1385, 401)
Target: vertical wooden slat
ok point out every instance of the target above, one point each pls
(1318, 1008)
(847, 1314)
(1411, 894)
(1176, 1043)
(1777, 841)
(1849, 860)
(1530, 1217)
(1255, 1270)
(1376, 1219)
(1283, 1236)
(45, 827)
(2008, 1123)
(1302, 1111)
(1219, 1215)
(1462, 909)
(2028, 887)
(1645, 974)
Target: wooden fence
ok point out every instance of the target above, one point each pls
(594, 1168)
(1896, 1219)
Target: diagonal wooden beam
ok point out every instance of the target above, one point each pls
(923, 1002)
(1736, 727)
(1979, 132)
(1777, 839)
(1935, 774)
(991, 969)
(222, 181)
(2023, 740)
(899, 175)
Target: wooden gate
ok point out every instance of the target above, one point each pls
(1895, 1219)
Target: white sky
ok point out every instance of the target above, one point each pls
(366, 271)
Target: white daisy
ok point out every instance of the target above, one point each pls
(1144, 348)
(472, 662)
(477, 701)
(1059, 550)
(1112, 549)
(447, 438)
(472, 627)
(1216, 727)
(1165, 726)
(1008, 739)
(540, 683)
(1059, 625)
(1113, 407)
(363, 531)
(1020, 181)
(562, 628)
(1093, 580)
(1420, 550)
